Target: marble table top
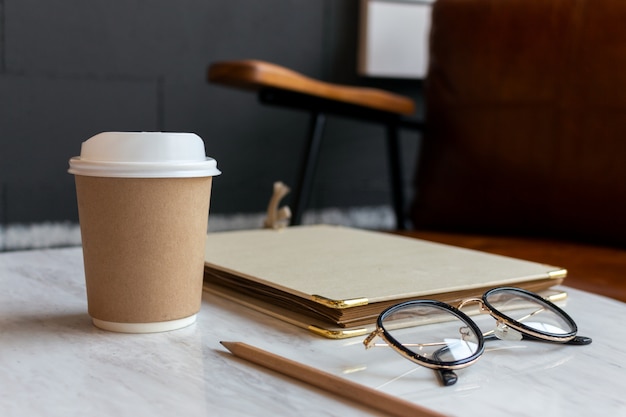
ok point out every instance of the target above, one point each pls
(54, 362)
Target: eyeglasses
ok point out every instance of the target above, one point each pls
(441, 337)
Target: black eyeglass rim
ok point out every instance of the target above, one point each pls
(544, 335)
(434, 364)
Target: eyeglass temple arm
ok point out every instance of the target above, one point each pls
(576, 341)
(448, 377)
(579, 340)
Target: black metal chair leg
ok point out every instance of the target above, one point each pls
(309, 160)
(395, 171)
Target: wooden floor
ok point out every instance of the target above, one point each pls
(596, 269)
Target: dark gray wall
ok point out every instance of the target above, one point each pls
(72, 68)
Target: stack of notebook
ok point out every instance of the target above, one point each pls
(335, 281)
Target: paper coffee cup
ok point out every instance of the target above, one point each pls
(143, 205)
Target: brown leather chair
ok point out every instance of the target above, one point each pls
(279, 86)
(524, 148)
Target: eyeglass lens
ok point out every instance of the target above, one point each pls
(433, 333)
(528, 311)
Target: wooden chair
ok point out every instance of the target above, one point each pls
(279, 86)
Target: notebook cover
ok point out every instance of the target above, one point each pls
(336, 265)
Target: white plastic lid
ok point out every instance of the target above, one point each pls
(143, 155)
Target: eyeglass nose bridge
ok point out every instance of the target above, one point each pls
(502, 330)
(482, 308)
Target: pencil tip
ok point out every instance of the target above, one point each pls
(227, 345)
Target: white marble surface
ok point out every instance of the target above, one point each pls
(53, 362)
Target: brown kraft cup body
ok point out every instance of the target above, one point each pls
(143, 246)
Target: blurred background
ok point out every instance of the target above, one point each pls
(70, 69)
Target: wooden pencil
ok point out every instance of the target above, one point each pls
(361, 394)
